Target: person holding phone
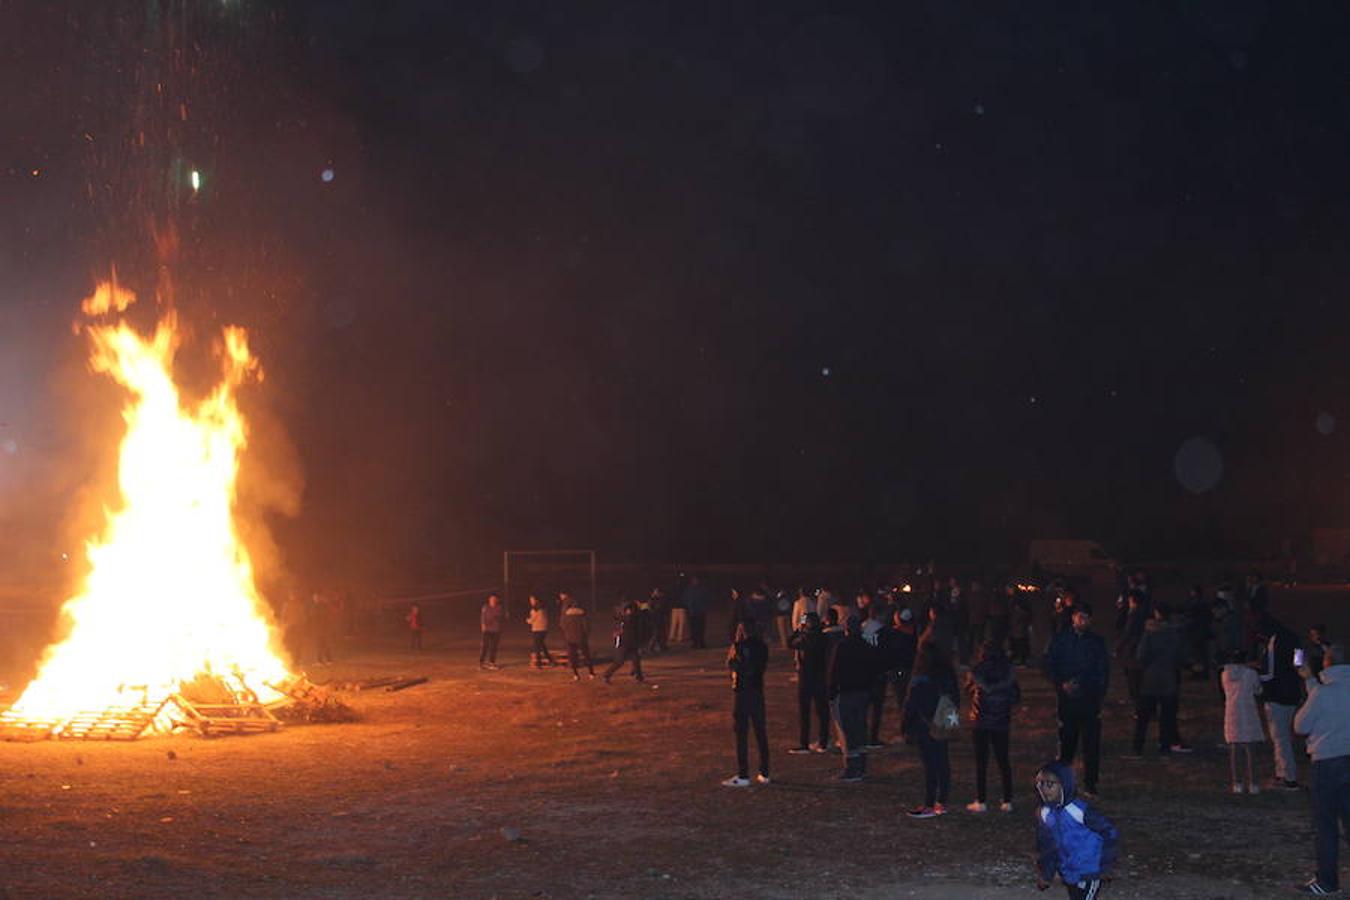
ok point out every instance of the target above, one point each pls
(1281, 692)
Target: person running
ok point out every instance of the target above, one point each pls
(934, 679)
(1160, 653)
(1076, 664)
(1241, 717)
(490, 624)
(851, 673)
(537, 619)
(747, 658)
(1073, 840)
(576, 629)
(627, 641)
(994, 693)
(811, 651)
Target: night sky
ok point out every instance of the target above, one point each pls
(698, 281)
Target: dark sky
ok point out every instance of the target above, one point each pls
(853, 281)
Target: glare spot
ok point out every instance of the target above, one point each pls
(825, 371)
(1032, 399)
(327, 175)
(979, 109)
(1198, 465)
(1326, 423)
(196, 179)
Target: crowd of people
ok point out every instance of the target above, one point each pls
(948, 660)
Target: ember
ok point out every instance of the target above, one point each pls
(168, 630)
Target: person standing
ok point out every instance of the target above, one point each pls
(994, 693)
(627, 642)
(875, 632)
(1325, 719)
(1241, 717)
(414, 620)
(537, 619)
(490, 624)
(696, 601)
(998, 613)
(1076, 664)
(899, 652)
(934, 680)
(576, 629)
(852, 670)
(1127, 646)
(747, 659)
(1160, 654)
(811, 651)
(679, 620)
(660, 604)
(977, 606)
(1281, 692)
(1019, 629)
(782, 617)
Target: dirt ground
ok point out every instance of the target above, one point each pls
(521, 783)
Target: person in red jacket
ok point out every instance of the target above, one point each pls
(414, 620)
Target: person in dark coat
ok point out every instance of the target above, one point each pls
(939, 630)
(1127, 646)
(627, 641)
(747, 658)
(1160, 654)
(576, 629)
(1019, 629)
(1199, 631)
(993, 694)
(900, 651)
(660, 606)
(1281, 693)
(810, 649)
(998, 614)
(933, 679)
(852, 670)
(1076, 664)
(695, 600)
(490, 619)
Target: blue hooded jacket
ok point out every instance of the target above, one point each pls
(1072, 838)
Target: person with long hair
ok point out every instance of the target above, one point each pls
(994, 693)
(934, 679)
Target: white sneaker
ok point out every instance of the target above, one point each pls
(736, 781)
(1005, 806)
(761, 778)
(977, 807)
(1237, 787)
(1253, 788)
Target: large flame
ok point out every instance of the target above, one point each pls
(170, 592)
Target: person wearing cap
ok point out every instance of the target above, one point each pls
(852, 671)
(1076, 664)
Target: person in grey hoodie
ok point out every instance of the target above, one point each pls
(1160, 655)
(1325, 719)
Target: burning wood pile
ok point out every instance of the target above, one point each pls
(169, 602)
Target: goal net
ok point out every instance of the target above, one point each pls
(545, 573)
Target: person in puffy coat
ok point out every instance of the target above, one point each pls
(993, 694)
(1073, 840)
(576, 629)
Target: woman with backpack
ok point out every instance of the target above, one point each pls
(993, 694)
(932, 716)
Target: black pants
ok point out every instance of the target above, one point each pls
(748, 710)
(623, 655)
(1134, 677)
(698, 628)
(984, 738)
(876, 701)
(1331, 807)
(576, 653)
(937, 769)
(488, 651)
(1087, 889)
(1081, 718)
(812, 695)
(1167, 721)
(540, 648)
(1019, 647)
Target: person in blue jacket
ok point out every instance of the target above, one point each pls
(1073, 840)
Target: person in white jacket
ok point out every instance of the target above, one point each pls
(1325, 719)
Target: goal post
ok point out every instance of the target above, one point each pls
(558, 565)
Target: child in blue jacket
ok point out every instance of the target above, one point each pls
(1073, 840)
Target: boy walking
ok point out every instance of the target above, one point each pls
(1073, 840)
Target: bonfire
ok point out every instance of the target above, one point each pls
(167, 629)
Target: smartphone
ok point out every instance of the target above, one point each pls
(1298, 658)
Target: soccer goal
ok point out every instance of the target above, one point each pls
(546, 572)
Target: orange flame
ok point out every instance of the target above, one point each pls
(170, 592)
